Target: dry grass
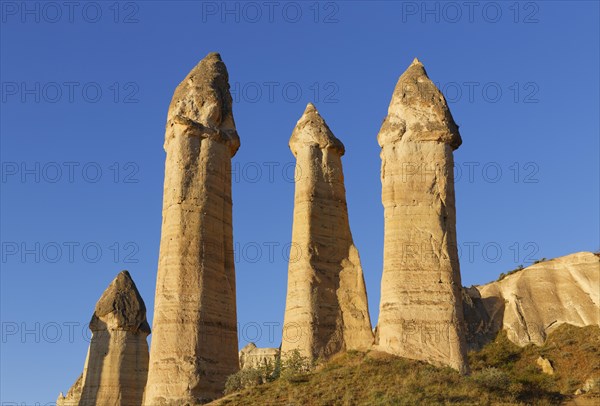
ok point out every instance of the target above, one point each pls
(502, 374)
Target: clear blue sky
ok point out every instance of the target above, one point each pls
(521, 78)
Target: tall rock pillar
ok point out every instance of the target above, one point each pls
(421, 308)
(116, 366)
(194, 345)
(326, 306)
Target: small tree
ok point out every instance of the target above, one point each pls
(295, 364)
(243, 379)
(276, 370)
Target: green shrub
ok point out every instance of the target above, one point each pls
(536, 385)
(492, 379)
(295, 364)
(501, 353)
(293, 368)
(244, 378)
(276, 372)
(504, 275)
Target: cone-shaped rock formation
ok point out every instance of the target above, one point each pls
(421, 308)
(326, 306)
(194, 345)
(116, 367)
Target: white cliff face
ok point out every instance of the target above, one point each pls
(253, 357)
(116, 366)
(421, 308)
(194, 345)
(530, 303)
(326, 306)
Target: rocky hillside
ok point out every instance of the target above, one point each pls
(530, 303)
(502, 373)
(534, 338)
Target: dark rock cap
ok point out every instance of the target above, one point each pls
(120, 307)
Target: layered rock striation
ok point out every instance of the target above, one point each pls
(530, 303)
(116, 366)
(194, 345)
(326, 305)
(253, 357)
(421, 314)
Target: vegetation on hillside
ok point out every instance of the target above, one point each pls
(518, 269)
(504, 275)
(502, 373)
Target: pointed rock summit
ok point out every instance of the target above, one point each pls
(311, 130)
(203, 104)
(421, 307)
(120, 307)
(326, 306)
(418, 112)
(194, 345)
(116, 367)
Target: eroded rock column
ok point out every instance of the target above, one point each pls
(116, 366)
(326, 306)
(194, 345)
(421, 308)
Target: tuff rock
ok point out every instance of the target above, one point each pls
(421, 314)
(194, 345)
(326, 306)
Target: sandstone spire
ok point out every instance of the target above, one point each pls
(116, 367)
(326, 307)
(194, 345)
(421, 308)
